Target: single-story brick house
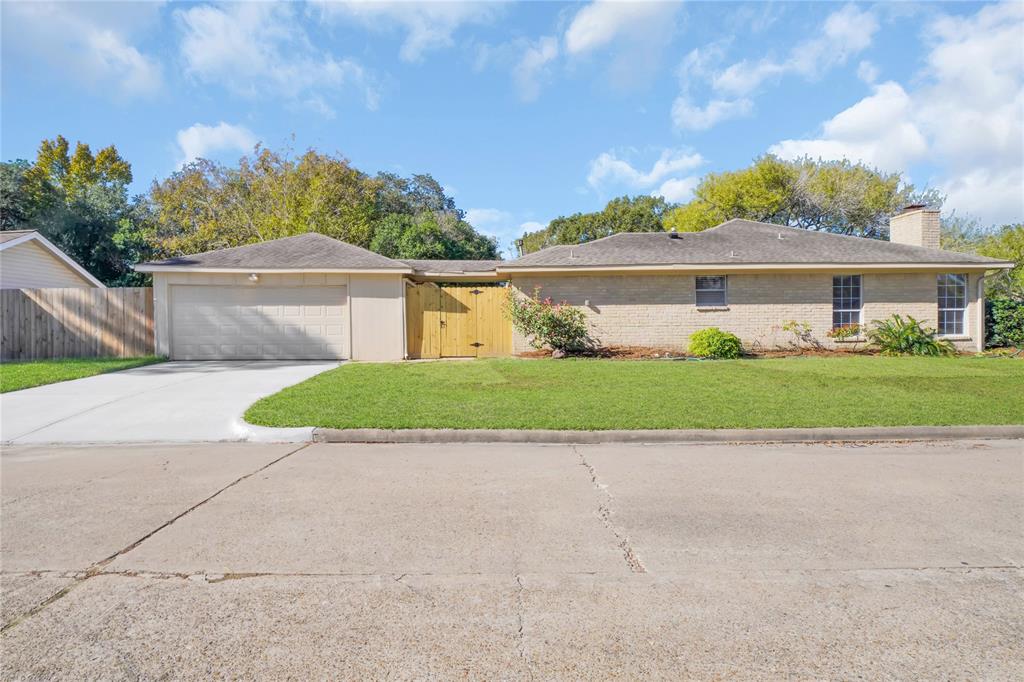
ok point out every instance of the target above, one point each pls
(311, 296)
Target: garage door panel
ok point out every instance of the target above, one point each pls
(241, 323)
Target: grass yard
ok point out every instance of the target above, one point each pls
(610, 394)
(15, 376)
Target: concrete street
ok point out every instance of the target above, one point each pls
(513, 561)
(166, 402)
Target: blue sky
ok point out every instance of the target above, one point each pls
(532, 110)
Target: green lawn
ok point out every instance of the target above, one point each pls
(610, 394)
(15, 376)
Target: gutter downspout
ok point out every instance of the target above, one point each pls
(981, 311)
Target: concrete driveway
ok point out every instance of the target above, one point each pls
(253, 561)
(166, 402)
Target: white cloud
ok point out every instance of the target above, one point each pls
(637, 32)
(846, 32)
(878, 130)
(428, 25)
(258, 49)
(532, 226)
(533, 67)
(688, 116)
(608, 169)
(603, 21)
(677, 190)
(201, 141)
(485, 218)
(867, 72)
(966, 119)
(88, 40)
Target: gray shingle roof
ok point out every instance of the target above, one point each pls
(310, 250)
(737, 242)
(454, 267)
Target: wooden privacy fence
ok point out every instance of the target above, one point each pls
(76, 323)
(452, 320)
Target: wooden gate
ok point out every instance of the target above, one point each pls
(452, 321)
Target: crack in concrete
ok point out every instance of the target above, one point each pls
(521, 626)
(604, 511)
(97, 568)
(401, 581)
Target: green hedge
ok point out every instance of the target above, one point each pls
(1004, 322)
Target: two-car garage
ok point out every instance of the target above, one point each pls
(307, 297)
(258, 323)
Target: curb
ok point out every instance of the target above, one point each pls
(867, 433)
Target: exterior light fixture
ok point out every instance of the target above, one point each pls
(253, 277)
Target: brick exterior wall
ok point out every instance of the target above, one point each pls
(660, 310)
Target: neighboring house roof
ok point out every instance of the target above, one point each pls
(738, 243)
(12, 238)
(310, 252)
(455, 267)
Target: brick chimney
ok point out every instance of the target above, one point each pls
(916, 225)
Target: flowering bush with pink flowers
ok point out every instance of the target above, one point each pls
(558, 326)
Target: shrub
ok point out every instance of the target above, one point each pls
(1004, 322)
(714, 343)
(896, 336)
(558, 326)
(803, 334)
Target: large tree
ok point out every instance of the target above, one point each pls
(269, 195)
(833, 196)
(79, 201)
(1005, 243)
(624, 214)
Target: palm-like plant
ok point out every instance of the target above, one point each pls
(896, 336)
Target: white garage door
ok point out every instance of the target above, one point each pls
(257, 323)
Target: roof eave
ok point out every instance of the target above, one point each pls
(146, 267)
(723, 267)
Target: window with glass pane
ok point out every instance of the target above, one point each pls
(846, 301)
(952, 304)
(711, 292)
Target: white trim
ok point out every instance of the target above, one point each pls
(272, 271)
(712, 268)
(65, 258)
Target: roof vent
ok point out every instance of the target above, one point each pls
(673, 234)
(780, 235)
(732, 254)
(912, 207)
(572, 253)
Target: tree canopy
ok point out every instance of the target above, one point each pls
(833, 196)
(269, 195)
(79, 201)
(625, 214)
(1005, 243)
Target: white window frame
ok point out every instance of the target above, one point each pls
(962, 322)
(860, 300)
(697, 290)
